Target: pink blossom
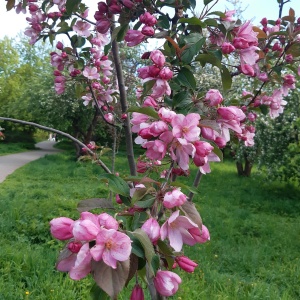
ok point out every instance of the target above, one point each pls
(109, 117)
(174, 198)
(87, 98)
(277, 47)
(152, 228)
(139, 92)
(249, 56)
(186, 264)
(200, 236)
(166, 74)
(246, 32)
(127, 3)
(140, 141)
(247, 70)
(203, 149)
(166, 114)
(228, 16)
(289, 83)
(57, 73)
(59, 46)
(138, 120)
(214, 97)
(149, 101)
(105, 80)
(91, 73)
(212, 135)
(158, 58)
(155, 149)
(181, 151)
(108, 221)
(263, 77)
(148, 30)
(160, 88)
(111, 246)
(59, 88)
(74, 247)
(145, 133)
(289, 58)
(217, 39)
(82, 28)
(92, 145)
(227, 48)
(220, 141)
(240, 43)
(142, 166)
(166, 283)
(148, 72)
(208, 133)
(33, 34)
(264, 22)
(143, 72)
(272, 29)
(60, 3)
(230, 113)
(61, 228)
(277, 103)
(105, 67)
(59, 79)
(157, 128)
(105, 96)
(251, 128)
(85, 13)
(102, 25)
(87, 227)
(204, 169)
(176, 228)
(96, 85)
(137, 293)
(77, 264)
(133, 37)
(114, 8)
(148, 19)
(36, 18)
(19, 8)
(100, 40)
(33, 8)
(252, 116)
(186, 126)
(247, 137)
(74, 72)
(102, 7)
(57, 61)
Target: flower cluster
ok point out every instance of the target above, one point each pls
(36, 19)
(105, 11)
(160, 74)
(110, 245)
(96, 73)
(244, 43)
(135, 37)
(94, 238)
(178, 136)
(175, 135)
